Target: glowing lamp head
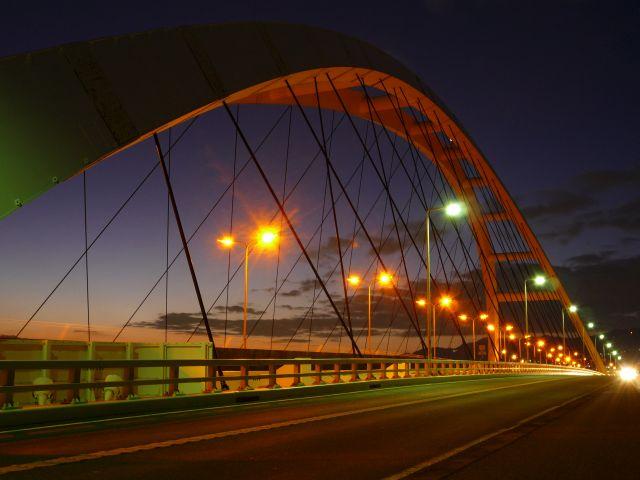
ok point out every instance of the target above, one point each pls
(385, 279)
(573, 308)
(508, 327)
(484, 316)
(354, 280)
(226, 242)
(560, 347)
(514, 357)
(267, 237)
(445, 301)
(512, 336)
(609, 345)
(491, 327)
(454, 209)
(540, 343)
(539, 280)
(601, 336)
(463, 317)
(590, 325)
(615, 352)
(421, 302)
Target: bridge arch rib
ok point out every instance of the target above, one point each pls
(69, 107)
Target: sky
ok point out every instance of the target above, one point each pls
(547, 89)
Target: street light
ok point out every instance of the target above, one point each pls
(464, 318)
(384, 279)
(265, 237)
(538, 280)
(452, 209)
(572, 309)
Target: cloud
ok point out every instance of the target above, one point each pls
(590, 258)
(237, 309)
(607, 287)
(603, 180)
(557, 202)
(291, 293)
(177, 321)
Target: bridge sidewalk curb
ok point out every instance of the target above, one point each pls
(89, 411)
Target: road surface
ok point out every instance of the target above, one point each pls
(510, 427)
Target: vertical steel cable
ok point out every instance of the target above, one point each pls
(86, 251)
(166, 265)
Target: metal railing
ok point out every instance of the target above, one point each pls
(104, 380)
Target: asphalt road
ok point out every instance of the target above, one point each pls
(469, 429)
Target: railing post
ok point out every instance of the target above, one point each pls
(407, 370)
(318, 377)
(383, 371)
(210, 385)
(370, 372)
(273, 381)
(395, 371)
(296, 381)
(9, 381)
(174, 374)
(337, 377)
(354, 373)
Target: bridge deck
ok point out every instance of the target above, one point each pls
(372, 434)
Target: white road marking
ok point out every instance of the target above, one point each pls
(230, 433)
(239, 405)
(444, 456)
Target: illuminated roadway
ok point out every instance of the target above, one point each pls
(578, 427)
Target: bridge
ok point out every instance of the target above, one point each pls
(364, 286)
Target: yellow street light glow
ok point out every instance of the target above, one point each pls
(575, 354)
(539, 280)
(508, 328)
(514, 357)
(484, 316)
(503, 351)
(454, 209)
(385, 279)
(421, 302)
(549, 355)
(540, 343)
(226, 242)
(512, 336)
(354, 280)
(445, 301)
(567, 358)
(553, 349)
(573, 308)
(463, 317)
(560, 347)
(491, 327)
(628, 374)
(267, 237)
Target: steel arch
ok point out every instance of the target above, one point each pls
(70, 107)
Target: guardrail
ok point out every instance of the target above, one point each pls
(81, 381)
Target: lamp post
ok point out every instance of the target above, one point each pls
(540, 344)
(265, 237)
(571, 309)
(464, 318)
(384, 279)
(453, 209)
(445, 301)
(538, 280)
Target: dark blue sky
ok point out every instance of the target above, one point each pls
(548, 89)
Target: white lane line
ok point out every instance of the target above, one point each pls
(444, 456)
(230, 433)
(241, 405)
